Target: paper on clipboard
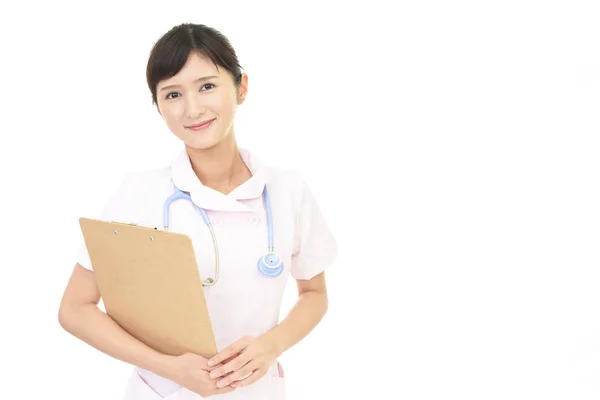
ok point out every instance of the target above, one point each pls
(151, 286)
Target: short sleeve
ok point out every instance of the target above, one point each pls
(315, 247)
(120, 208)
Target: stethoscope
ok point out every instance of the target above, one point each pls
(269, 265)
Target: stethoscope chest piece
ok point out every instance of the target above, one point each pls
(270, 265)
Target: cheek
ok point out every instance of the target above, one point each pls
(173, 114)
(221, 105)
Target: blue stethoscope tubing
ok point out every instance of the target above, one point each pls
(269, 265)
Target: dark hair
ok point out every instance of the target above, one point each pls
(172, 50)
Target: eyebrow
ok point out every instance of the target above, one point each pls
(197, 80)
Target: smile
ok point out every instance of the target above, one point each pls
(200, 126)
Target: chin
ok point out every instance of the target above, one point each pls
(201, 143)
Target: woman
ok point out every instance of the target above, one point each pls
(195, 80)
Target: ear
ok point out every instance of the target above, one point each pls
(243, 89)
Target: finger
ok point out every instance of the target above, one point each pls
(224, 390)
(256, 375)
(209, 369)
(231, 366)
(229, 351)
(240, 374)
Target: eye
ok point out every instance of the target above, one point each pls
(207, 84)
(169, 95)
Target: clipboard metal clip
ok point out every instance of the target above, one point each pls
(123, 223)
(132, 224)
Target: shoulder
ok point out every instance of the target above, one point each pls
(136, 195)
(281, 181)
(289, 182)
(287, 178)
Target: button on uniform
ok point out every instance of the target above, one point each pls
(254, 219)
(217, 222)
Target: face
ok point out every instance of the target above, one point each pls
(200, 94)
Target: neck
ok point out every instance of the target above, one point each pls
(221, 167)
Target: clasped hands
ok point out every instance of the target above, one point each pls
(238, 365)
(243, 362)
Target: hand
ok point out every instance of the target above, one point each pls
(192, 371)
(244, 362)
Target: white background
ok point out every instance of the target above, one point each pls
(453, 148)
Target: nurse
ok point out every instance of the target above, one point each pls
(265, 223)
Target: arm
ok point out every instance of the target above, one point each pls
(314, 248)
(249, 358)
(308, 311)
(80, 316)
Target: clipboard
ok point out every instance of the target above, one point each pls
(151, 286)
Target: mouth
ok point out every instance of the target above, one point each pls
(200, 126)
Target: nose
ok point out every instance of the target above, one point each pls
(194, 107)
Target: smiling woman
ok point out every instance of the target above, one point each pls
(264, 236)
(196, 83)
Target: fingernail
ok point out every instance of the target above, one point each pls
(213, 375)
(221, 384)
(211, 363)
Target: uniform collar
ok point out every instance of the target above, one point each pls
(205, 197)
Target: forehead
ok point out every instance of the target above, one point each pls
(196, 66)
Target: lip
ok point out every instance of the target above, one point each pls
(201, 125)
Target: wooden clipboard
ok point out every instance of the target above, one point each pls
(150, 285)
